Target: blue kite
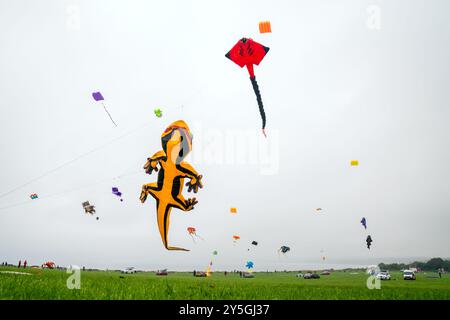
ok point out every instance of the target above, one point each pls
(363, 222)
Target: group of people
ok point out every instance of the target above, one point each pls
(5, 264)
(20, 264)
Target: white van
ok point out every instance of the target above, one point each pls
(409, 275)
(129, 270)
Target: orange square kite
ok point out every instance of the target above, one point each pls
(264, 27)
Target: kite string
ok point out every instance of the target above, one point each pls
(57, 194)
(71, 161)
(108, 114)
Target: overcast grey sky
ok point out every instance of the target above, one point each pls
(343, 80)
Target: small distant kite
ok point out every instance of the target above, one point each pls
(33, 196)
(215, 253)
(88, 208)
(364, 222)
(249, 265)
(369, 241)
(193, 232)
(233, 210)
(116, 192)
(158, 113)
(264, 27)
(255, 243)
(284, 249)
(354, 163)
(236, 238)
(99, 97)
(49, 264)
(318, 209)
(247, 52)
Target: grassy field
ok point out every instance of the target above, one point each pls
(51, 284)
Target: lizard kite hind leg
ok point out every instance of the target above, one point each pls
(151, 188)
(183, 204)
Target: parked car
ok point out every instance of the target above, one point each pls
(199, 274)
(162, 272)
(409, 275)
(248, 275)
(384, 275)
(325, 273)
(129, 270)
(310, 275)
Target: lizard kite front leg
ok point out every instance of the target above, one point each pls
(152, 162)
(189, 172)
(146, 189)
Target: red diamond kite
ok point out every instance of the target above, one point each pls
(247, 53)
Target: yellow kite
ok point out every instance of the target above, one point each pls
(176, 143)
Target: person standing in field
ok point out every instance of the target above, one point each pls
(20, 263)
(25, 264)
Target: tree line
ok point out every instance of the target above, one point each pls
(431, 265)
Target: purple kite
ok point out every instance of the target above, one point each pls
(99, 97)
(116, 192)
(364, 222)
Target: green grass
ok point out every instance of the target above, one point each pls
(51, 284)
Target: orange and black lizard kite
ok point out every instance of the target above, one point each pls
(176, 143)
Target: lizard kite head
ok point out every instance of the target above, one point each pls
(177, 141)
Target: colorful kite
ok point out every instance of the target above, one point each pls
(236, 238)
(208, 271)
(193, 232)
(249, 265)
(33, 196)
(88, 208)
(354, 163)
(233, 210)
(98, 97)
(176, 142)
(318, 209)
(364, 223)
(247, 52)
(49, 264)
(158, 113)
(116, 192)
(264, 27)
(369, 241)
